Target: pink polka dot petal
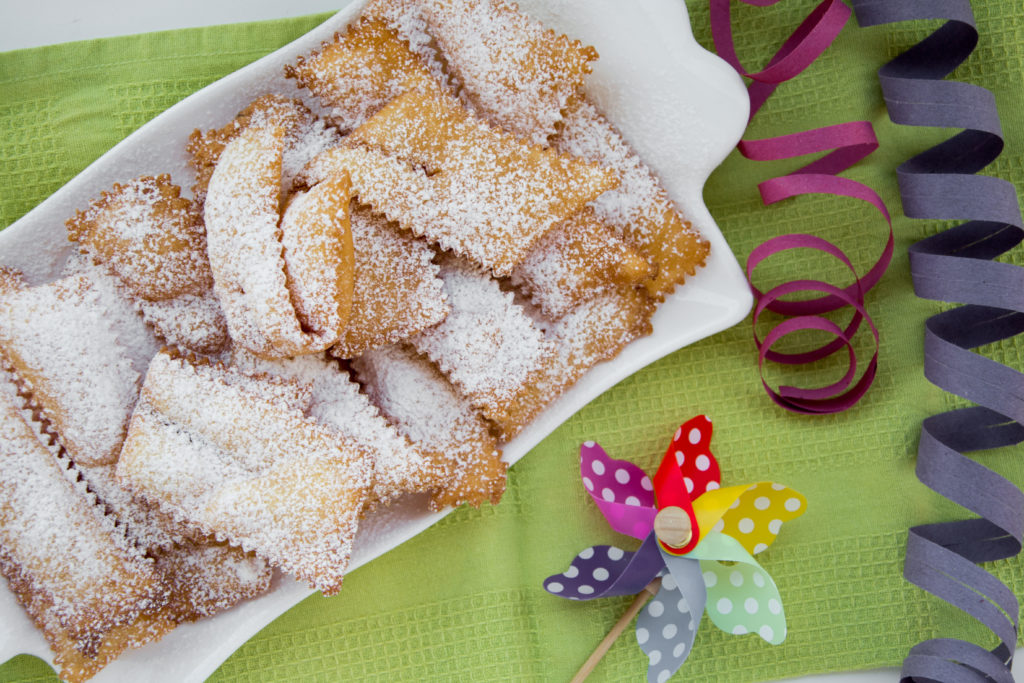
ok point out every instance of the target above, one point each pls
(619, 477)
(618, 488)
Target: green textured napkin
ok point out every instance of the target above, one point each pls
(463, 601)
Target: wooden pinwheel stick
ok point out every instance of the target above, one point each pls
(616, 630)
(672, 527)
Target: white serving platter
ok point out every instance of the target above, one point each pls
(681, 107)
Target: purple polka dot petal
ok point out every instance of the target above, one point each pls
(605, 571)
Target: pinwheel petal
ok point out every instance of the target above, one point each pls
(622, 491)
(759, 514)
(667, 625)
(691, 448)
(712, 506)
(742, 597)
(604, 571)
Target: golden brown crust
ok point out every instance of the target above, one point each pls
(419, 400)
(359, 71)
(246, 252)
(153, 242)
(494, 196)
(639, 209)
(85, 588)
(149, 235)
(206, 577)
(512, 71)
(487, 346)
(594, 331)
(396, 293)
(204, 148)
(319, 263)
(575, 261)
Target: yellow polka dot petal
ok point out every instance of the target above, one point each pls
(710, 507)
(757, 514)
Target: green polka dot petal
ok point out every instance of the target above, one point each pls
(742, 598)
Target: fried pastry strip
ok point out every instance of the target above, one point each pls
(59, 341)
(399, 466)
(247, 468)
(206, 577)
(90, 593)
(250, 262)
(413, 394)
(487, 346)
(359, 72)
(499, 194)
(392, 187)
(200, 575)
(319, 263)
(153, 241)
(149, 235)
(594, 331)
(577, 260)
(305, 136)
(397, 292)
(192, 322)
(512, 71)
(639, 209)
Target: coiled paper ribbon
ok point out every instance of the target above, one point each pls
(956, 266)
(846, 144)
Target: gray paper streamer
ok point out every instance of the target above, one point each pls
(956, 266)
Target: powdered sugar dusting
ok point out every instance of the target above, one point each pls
(423, 405)
(192, 322)
(120, 310)
(318, 257)
(398, 465)
(304, 135)
(61, 344)
(77, 583)
(247, 469)
(360, 71)
(639, 209)
(406, 18)
(487, 346)
(397, 292)
(206, 577)
(576, 261)
(145, 524)
(513, 71)
(498, 195)
(148, 235)
(244, 247)
(593, 331)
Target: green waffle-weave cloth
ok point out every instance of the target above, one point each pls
(463, 601)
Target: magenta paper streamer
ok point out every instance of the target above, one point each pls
(845, 144)
(957, 266)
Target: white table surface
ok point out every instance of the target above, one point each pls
(26, 24)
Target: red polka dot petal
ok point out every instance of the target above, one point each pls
(691, 448)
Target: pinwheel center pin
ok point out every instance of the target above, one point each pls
(672, 527)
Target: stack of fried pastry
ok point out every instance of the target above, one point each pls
(350, 309)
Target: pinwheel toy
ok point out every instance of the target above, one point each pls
(699, 541)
